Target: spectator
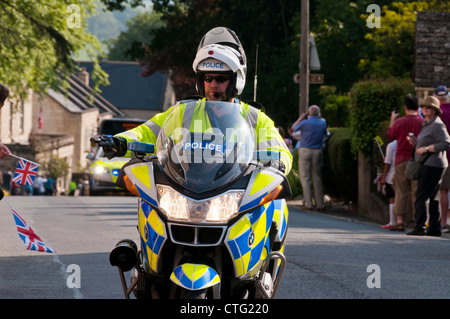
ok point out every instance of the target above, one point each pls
(286, 140)
(38, 186)
(49, 186)
(441, 93)
(4, 92)
(387, 180)
(399, 129)
(313, 134)
(435, 140)
(7, 178)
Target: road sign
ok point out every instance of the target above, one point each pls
(314, 62)
(313, 78)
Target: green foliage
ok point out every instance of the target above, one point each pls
(372, 102)
(38, 42)
(339, 35)
(294, 177)
(334, 107)
(340, 178)
(129, 44)
(57, 167)
(392, 45)
(348, 49)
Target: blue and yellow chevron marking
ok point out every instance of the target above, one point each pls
(142, 173)
(281, 216)
(248, 237)
(153, 234)
(258, 190)
(261, 181)
(194, 276)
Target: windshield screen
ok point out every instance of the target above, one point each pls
(204, 145)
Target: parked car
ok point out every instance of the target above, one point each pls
(103, 172)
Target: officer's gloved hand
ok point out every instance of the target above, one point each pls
(279, 165)
(112, 145)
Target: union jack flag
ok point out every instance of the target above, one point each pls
(31, 240)
(25, 172)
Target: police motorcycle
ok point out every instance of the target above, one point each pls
(212, 220)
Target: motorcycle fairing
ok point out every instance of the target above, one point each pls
(194, 276)
(261, 183)
(153, 235)
(141, 175)
(247, 239)
(281, 216)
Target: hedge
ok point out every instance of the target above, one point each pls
(340, 174)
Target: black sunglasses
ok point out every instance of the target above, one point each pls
(219, 79)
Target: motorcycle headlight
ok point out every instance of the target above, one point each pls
(219, 209)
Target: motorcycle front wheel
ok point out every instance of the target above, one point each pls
(193, 294)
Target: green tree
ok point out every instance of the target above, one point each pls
(349, 49)
(335, 107)
(38, 43)
(266, 24)
(392, 45)
(126, 46)
(57, 167)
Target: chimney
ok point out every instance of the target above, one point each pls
(84, 76)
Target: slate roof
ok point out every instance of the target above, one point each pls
(128, 89)
(77, 98)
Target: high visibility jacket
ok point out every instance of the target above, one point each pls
(267, 135)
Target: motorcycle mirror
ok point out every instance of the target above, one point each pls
(140, 147)
(266, 156)
(124, 255)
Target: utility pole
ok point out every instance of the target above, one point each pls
(304, 58)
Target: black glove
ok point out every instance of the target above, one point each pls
(112, 145)
(279, 165)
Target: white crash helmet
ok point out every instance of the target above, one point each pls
(220, 51)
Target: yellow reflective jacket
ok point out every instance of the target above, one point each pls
(267, 135)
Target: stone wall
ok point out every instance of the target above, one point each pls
(432, 56)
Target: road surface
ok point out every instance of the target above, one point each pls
(328, 256)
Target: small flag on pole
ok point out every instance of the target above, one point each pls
(31, 240)
(25, 172)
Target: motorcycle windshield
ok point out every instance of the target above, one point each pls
(204, 145)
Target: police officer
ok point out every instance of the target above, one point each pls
(220, 66)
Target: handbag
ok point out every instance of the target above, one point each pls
(412, 169)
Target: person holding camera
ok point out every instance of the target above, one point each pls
(313, 133)
(399, 129)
